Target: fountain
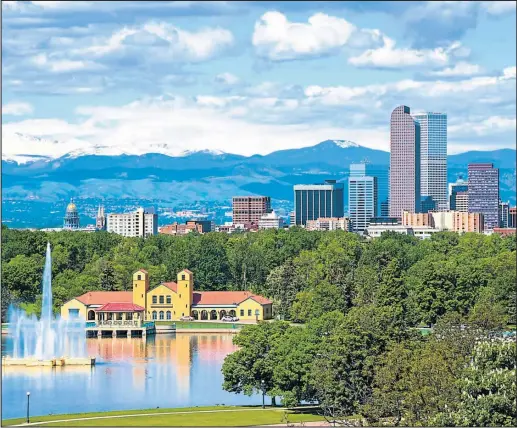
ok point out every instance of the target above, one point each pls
(47, 341)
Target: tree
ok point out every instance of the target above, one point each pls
(310, 304)
(488, 388)
(23, 276)
(252, 365)
(107, 278)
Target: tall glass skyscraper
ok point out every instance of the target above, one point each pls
(312, 201)
(404, 162)
(484, 192)
(381, 172)
(433, 157)
(362, 200)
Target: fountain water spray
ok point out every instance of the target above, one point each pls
(48, 337)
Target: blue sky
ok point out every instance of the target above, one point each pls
(251, 77)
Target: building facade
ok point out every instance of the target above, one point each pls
(512, 219)
(100, 220)
(433, 157)
(417, 219)
(249, 209)
(362, 201)
(461, 186)
(171, 301)
(468, 222)
(504, 214)
(333, 223)
(312, 201)
(427, 203)
(199, 226)
(381, 172)
(404, 162)
(461, 202)
(71, 220)
(271, 221)
(141, 223)
(484, 192)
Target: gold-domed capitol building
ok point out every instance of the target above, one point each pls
(71, 221)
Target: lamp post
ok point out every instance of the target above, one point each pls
(262, 384)
(28, 398)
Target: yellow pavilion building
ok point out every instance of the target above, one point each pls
(167, 301)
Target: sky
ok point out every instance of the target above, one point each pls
(251, 77)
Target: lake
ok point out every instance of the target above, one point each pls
(166, 370)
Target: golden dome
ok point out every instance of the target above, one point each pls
(71, 207)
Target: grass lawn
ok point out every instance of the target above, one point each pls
(201, 416)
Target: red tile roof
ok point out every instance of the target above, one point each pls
(120, 307)
(186, 270)
(171, 286)
(103, 297)
(225, 298)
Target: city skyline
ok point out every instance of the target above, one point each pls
(148, 77)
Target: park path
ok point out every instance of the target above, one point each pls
(136, 415)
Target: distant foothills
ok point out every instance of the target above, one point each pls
(35, 190)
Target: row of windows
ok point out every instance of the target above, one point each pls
(163, 299)
(161, 314)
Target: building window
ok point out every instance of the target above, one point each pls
(155, 300)
(162, 300)
(168, 300)
(119, 316)
(154, 315)
(249, 312)
(169, 315)
(242, 312)
(161, 315)
(183, 277)
(139, 277)
(180, 296)
(129, 316)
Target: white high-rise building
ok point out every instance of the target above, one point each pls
(142, 223)
(433, 157)
(271, 221)
(362, 201)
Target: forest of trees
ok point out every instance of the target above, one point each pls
(358, 351)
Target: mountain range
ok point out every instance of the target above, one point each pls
(198, 178)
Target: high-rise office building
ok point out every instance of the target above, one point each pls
(455, 188)
(141, 223)
(362, 200)
(512, 218)
(433, 157)
(404, 162)
(504, 214)
(484, 192)
(427, 203)
(312, 201)
(381, 172)
(461, 203)
(249, 209)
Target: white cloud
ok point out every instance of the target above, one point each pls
(460, 69)
(173, 43)
(278, 39)
(227, 79)
(389, 56)
(484, 127)
(61, 65)
(17, 109)
(498, 7)
(169, 127)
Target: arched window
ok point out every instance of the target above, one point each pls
(161, 315)
(168, 315)
(154, 315)
(91, 315)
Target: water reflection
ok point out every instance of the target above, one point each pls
(160, 371)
